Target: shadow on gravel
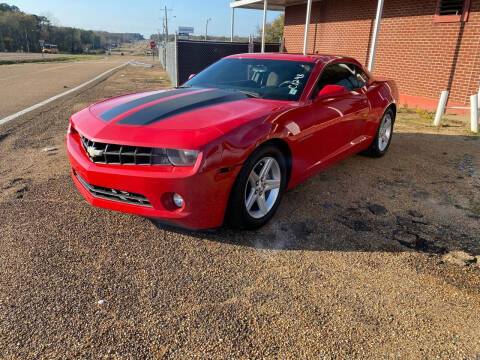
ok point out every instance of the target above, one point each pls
(422, 196)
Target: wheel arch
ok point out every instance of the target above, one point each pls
(393, 107)
(283, 146)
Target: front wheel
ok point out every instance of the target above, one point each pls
(258, 189)
(383, 137)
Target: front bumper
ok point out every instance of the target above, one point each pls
(205, 192)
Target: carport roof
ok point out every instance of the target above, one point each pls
(272, 4)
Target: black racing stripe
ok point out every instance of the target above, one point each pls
(169, 108)
(120, 109)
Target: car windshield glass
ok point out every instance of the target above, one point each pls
(261, 78)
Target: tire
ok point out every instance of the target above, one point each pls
(379, 146)
(246, 209)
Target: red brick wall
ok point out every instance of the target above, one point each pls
(424, 57)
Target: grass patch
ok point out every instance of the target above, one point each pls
(54, 59)
(475, 207)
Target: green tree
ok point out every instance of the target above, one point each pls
(273, 30)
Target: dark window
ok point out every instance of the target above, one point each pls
(450, 7)
(347, 75)
(452, 10)
(361, 76)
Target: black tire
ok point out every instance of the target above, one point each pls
(374, 150)
(238, 216)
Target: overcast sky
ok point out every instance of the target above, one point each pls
(144, 16)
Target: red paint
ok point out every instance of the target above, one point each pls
(428, 104)
(319, 132)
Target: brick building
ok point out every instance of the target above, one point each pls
(425, 45)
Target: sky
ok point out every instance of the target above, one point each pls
(145, 16)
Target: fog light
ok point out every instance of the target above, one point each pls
(177, 200)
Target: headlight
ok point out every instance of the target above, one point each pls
(182, 157)
(71, 129)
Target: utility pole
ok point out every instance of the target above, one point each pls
(26, 40)
(206, 28)
(166, 25)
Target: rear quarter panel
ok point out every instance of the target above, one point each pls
(381, 93)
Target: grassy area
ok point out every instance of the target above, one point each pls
(421, 121)
(54, 59)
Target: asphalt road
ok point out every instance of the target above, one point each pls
(351, 267)
(24, 85)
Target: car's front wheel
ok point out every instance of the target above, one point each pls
(258, 189)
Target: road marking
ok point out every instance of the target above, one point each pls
(36, 106)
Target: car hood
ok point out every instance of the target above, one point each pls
(183, 117)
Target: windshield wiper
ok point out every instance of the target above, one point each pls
(184, 86)
(250, 93)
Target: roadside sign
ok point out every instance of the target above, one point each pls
(152, 44)
(185, 29)
(183, 36)
(42, 42)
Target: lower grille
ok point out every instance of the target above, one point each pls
(114, 195)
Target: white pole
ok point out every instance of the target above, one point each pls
(441, 107)
(265, 4)
(233, 24)
(307, 25)
(376, 30)
(474, 113)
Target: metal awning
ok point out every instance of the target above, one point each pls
(280, 5)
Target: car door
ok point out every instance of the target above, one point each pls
(331, 126)
(340, 119)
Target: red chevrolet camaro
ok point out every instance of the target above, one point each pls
(225, 146)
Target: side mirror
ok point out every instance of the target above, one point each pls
(191, 76)
(331, 91)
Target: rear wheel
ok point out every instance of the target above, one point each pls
(383, 137)
(258, 189)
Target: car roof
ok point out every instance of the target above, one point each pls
(292, 57)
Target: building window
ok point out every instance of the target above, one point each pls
(452, 10)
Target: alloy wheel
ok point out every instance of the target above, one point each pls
(385, 132)
(263, 187)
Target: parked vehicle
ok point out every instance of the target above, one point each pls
(50, 49)
(227, 144)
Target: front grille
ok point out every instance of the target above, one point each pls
(102, 153)
(115, 195)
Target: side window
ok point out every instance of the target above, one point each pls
(338, 74)
(361, 76)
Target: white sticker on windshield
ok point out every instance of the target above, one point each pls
(293, 91)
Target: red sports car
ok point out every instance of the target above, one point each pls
(225, 146)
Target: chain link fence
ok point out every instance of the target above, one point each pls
(181, 58)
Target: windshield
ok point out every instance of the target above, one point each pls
(262, 78)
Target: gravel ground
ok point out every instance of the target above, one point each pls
(361, 261)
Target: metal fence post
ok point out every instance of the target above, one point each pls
(474, 113)
(176, 60)
(441, 107)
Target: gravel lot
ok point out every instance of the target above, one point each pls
(359, 262)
